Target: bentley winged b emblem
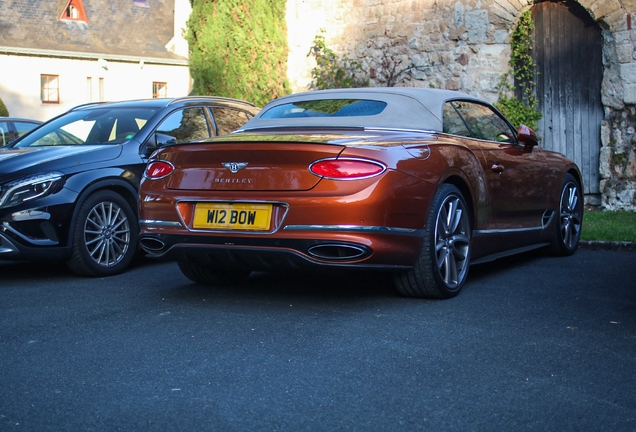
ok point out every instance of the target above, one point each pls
(234, 167)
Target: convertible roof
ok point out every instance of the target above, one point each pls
(407, 108)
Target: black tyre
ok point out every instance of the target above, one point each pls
(567, 231)
(205, 275)
(104, 236)
(442, 267)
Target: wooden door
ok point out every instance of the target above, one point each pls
(568, 56)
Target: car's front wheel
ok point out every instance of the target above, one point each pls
(206, 275)
(104, 236)
(442, 267)
(570, 219)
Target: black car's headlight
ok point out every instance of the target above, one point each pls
(28, 188)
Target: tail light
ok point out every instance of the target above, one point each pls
(346, 169)
(158, 169)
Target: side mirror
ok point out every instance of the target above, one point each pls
(527, 136)
(162, 140)
(156, 141)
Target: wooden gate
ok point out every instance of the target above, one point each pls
(568, 54)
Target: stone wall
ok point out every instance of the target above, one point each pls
(464, 45)
(618, 136)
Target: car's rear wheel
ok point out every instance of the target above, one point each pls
(570, 219)
(202, 274)
(104, 236)
(442, 267)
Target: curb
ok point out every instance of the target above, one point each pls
(607, 245)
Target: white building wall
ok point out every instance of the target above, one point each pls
(20, 82)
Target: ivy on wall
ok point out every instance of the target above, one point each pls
(524, 109)
(238, 48)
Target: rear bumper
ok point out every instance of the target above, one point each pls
(259, 253)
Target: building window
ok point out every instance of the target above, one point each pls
(50, 88)
(101, 89)
(74, 11)
(89, 89)
(159, 90)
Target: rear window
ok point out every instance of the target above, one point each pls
(326, 108)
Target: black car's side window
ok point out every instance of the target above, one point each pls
(4, 133)
(23, 127)
(186, 125)
(484, 123)
(228, 119)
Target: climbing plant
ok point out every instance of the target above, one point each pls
(238, 48)
(521, 109)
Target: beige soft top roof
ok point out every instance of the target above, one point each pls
(407, 108)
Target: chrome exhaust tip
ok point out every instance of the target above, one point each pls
(151, 244)
(338, 252)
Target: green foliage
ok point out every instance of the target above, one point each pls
(238, 48)
(3, 109)
(522, 66)
(333, 71)
(609, 226)
(518, 112)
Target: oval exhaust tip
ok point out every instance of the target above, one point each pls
(337, 252)
(151, 244)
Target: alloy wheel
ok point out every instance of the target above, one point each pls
(570, 215)
(107, 234)
(452, 242)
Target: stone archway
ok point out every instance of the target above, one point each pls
(568, 51)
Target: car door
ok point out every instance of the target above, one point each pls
(515, 173)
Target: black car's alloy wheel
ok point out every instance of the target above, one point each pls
(570, 219)
(105, 235)
(442, 267)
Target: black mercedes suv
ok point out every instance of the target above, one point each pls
(68, 189)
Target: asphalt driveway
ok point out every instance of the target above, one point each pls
(531, 343)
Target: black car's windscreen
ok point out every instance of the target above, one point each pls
(95, 126)
(326, 108)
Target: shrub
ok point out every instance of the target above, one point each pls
(332, 70)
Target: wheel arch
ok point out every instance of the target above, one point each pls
(121, 187)
(576, 174)
(466, 192)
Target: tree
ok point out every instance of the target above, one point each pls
(238, 48)
(3, 109)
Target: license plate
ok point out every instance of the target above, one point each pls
(232, 216)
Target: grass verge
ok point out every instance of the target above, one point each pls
(609, 226)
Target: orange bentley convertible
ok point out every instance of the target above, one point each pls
(417, 182)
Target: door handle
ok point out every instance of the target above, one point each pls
(498, 168)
